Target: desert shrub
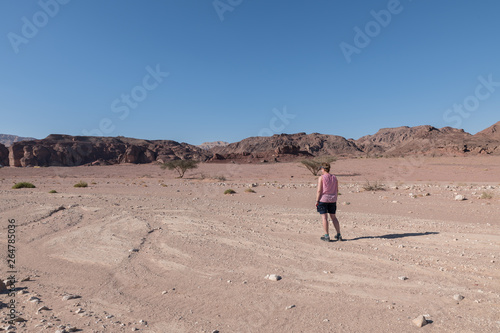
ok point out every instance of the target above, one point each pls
(52, 191)
(23, 185)
(220, 178)
(314, 165)
(373, 186)
(81, 184)
(249, 190)
(229, 191)
(181, 166)
(486, 195)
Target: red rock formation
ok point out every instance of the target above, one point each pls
(4, 155)
(65, 150)
(491, 133)
(285, 147)
(425, 140)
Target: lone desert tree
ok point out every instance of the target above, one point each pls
(314, 165)
(181, 166)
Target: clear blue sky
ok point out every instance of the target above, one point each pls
(230, 69)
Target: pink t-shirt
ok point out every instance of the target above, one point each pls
(330, 188)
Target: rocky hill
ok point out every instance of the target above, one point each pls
(284, 147)
(7, 139)
(65, 150)
(428, 140)
(405, 140)
(491, 133)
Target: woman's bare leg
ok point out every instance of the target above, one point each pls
(335, 223)
(324, 218)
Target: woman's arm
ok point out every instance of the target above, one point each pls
(320, 189)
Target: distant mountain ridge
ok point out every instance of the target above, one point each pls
(7, 139)
(66, 150)
(210, 145)
(492, 132)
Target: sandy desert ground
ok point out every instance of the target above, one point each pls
(144, 251)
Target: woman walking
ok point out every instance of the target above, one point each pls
(326, 200)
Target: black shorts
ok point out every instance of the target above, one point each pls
(327, 207)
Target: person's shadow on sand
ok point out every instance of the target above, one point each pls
(393, 236)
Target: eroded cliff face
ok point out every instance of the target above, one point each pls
(65, 150)
(4, 155)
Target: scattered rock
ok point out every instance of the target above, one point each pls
(28, 278)
(458, 297)
(19, 320)
(290, 307)
(79, 310)
(273, 277)
(3, 287)
(68, 297)
(34, 299)
(42, 308)
(420, 321)
(403, 278)
(459, 197)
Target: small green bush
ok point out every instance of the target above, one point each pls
(373, 187)
(249, 190)
(23, 185)
(229, 191)
(52, 191)
(81, 184)
(486, 195)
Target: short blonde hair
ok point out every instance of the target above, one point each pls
(325, 166)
